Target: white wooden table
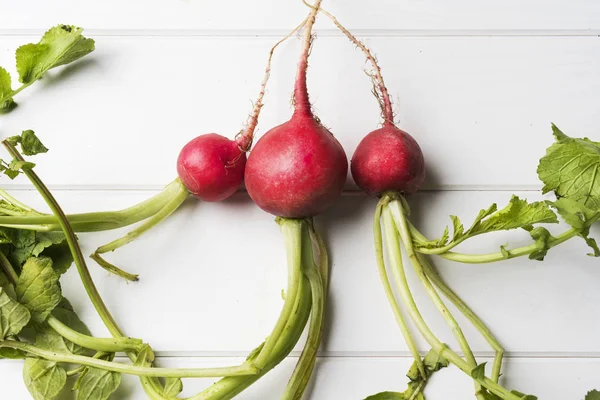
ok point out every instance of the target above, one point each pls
(477, 83)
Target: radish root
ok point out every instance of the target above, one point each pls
(301, 101)
(245, 136)
(383, 96)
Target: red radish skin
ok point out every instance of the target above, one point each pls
(298, 168)
(211, 167)
(388, 159)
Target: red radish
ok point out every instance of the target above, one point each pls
(298, 168)
(388, 159)
(211, 167)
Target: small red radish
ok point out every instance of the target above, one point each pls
(388, 159)
(298, 168)
(211, 167)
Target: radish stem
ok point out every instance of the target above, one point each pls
(434, 277)
(390, 294)
(442, 349)
(292, 232)
(82, 269)
(305, 365)
(108, 345)
(173, 204)
(401, 225)
(100, 221)
(244, 369)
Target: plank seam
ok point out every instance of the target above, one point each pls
(276, 33)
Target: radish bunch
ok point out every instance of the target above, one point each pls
(210, 167)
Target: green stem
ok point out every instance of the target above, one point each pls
(491, 257)
(387, 287)
(4, 194)
(434, 277)
(113, 269)
(392, 241)
(402, 227)
(228, 388)
(82, 269)
(241, 370)
(76, 371)
(295, 323)
(292, 233)
(8, 269)
(80, 369)
(105, 220)
(305, 365)
(173, 204)
(88, 283)
(108, 345)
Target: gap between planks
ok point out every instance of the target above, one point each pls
(276, 33)
(347, 192)
(520, 355)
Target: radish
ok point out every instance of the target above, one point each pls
(295, 171)
(210, 167)
(389, 163)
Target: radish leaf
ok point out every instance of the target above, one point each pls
(6, 101)
(593, 395)
(580, 218)
(38, 288)
(13, 316)
(60, 45)
(571, 168)
(30, 143)
(98, 384)
(44, 379)
(517, 214)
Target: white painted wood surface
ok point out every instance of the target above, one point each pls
(477, 83)
(235, 15)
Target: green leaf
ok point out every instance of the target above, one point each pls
(98, 384)
(517, 214)
(60, 45)
(592, 395)
(558, 134)
(542, 238)
(44, 379)
(12, 354)
(50, 244)
(7, 235)
(38, 288)
(571, 168)
(173, 386)
(580, 218)
(30, 143)
(6, 101)
(13, 316)
(387, 396)
(432, 361)
(20, 165)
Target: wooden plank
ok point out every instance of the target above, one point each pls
(356, 378)
(480, 107)
(214, 270)
(274, 14)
